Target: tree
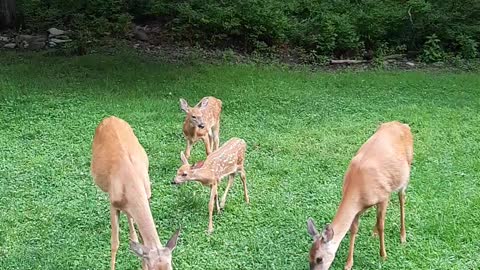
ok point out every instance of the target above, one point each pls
(7, 13)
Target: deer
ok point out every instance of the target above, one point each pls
(226, 160)
(380, 167)
(119, 167)
(202, 122)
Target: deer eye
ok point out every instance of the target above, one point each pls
(319, 260)
(184, 174)
(194, 117)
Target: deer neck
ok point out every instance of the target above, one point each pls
(142, 216)
(346, 213)
(204, 175)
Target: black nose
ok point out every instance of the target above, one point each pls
(201, 126)
(173, 182)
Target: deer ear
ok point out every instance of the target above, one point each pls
(139, 249)
(204, 103)
(183, 105)
(311, 228)
(172, 243)
(183, 158)
(327, 234)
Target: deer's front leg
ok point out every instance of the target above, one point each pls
(189, 148)
(114, 215)
(213, 191)
(206, 140)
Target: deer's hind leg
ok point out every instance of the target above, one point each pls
(243, 177)
(403, 232)
(229, 185)
(380, 226)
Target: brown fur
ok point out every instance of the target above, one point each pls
(227, 160)
(120, 168)
(201, 114)
(380, 167)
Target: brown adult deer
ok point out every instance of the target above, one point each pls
(120, 168)
(226, 160)
(380, 167)
(202, 122)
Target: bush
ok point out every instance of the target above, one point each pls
(339, 28)
(432, 51)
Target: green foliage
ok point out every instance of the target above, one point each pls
(99, 17)
(338, 28)
(432, 51)
(468, 47)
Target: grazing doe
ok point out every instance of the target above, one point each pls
(380, 167)
(120, 168)
(202, 122)
(227, 160)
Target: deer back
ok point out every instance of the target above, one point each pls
(381, 165)
(118, 159)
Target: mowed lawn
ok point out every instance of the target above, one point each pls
(302, 128)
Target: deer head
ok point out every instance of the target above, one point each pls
(156, 258)
(187, 172)
(322, 252)
(194, 114)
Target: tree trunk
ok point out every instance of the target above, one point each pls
(7, 13)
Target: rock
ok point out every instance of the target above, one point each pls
(10, 45)
(37, 45)
(24, 37)
(56, 32)
(140, 34)
(62, 37)
(410, 64)
(4, 39)
(59, 41)
(136, 46)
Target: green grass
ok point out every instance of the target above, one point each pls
(302, 129)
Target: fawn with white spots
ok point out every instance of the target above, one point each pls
(120, 168)
(202, 122)
(226, 160)
(381, 166)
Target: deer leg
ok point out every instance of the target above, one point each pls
(381, 212)
(403, 233)
(216, 199)
(353, 235)
(216, 136)
(210, 207)
(244, 182)
(229, 185)
(131, 229)
(114, 216)
(206, 140)
(189, 148)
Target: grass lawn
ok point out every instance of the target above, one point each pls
(302, 128)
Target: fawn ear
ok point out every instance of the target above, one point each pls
(183, 158)
(327, 234)
(311, 228)
(139, 249)
(204, 103)
(172, 243)
(183, 105)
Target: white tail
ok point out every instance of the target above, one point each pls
(120, 168)
(227, 160)
(202, 122)
(380, 167)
